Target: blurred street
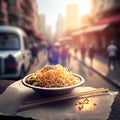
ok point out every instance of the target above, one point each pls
(34, 34)
(100, 66)
(96, 75)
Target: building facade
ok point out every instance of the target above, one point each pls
(72, 17)
(21, 13)
(59, 26)
(104, 8)
(104, 28)
(3, 13)
(107, 12)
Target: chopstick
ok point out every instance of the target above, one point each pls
(62, 97)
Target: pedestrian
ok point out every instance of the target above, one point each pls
(49, 55)
(83, 52)
(54, 55)
(75, 51)
(69, 57)
(34, 51)
(112, 53)
(64, 55)
(91, 52)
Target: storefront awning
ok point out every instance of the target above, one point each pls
(79, 32)
(112, 19)
(96, 28)
(66, 38)
(91, 29)
(39, 35)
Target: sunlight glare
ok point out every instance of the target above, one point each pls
(84, 7)
(60, 7)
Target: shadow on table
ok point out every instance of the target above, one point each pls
(7, 117)
(4, 84)
(115, 109)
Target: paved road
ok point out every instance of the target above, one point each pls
(91, 77)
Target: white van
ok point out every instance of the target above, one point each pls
(15, 55)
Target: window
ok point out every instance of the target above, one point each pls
(9, 41)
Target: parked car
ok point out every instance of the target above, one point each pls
(15, 55)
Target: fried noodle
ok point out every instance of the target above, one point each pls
(53, 76)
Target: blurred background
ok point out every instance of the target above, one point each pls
(70, 23)
(82, 20)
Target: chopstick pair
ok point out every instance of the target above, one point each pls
(62, 97)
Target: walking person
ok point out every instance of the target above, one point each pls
(91, 53)
(75, 51)
(54, 55)
(83, 52)
(64, 55)
(69, 57)
(49, 54)
(112, 53)
(35, 51)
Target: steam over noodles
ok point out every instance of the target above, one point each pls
(53, 76)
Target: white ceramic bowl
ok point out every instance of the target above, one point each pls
(54, 91)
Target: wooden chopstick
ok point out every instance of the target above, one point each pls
(72, 95)
(62, 97)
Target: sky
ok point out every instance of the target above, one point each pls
(51, 8)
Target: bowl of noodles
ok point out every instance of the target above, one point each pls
(53, 80)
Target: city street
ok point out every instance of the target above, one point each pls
(92, 79)
(81, 35)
